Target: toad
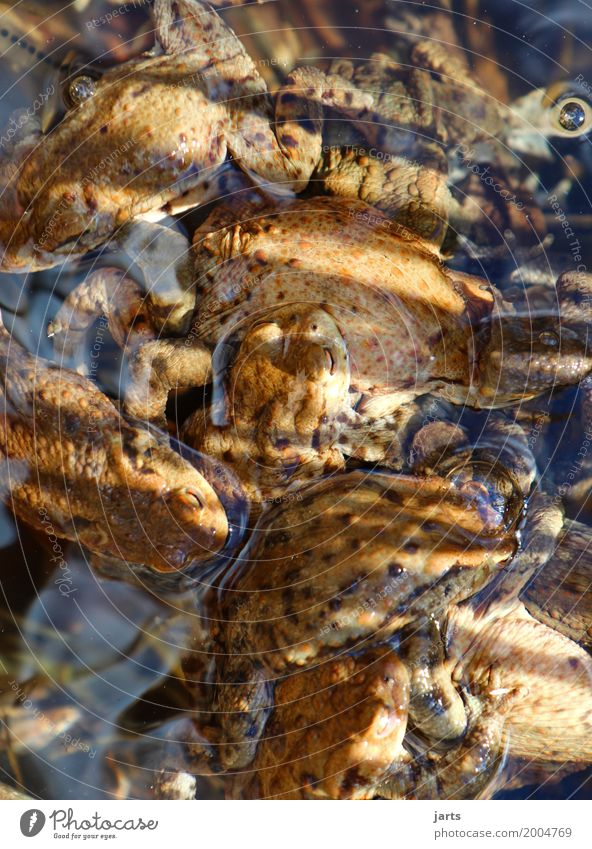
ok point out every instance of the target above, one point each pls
(326, 320)
(352, 562)
(152, 134)
(144, 134)
(74, 467)
(354, 717)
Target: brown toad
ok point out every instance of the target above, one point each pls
(352, 724)
(335, 731)
(550, 726)
(395, 324)
(71, 462)
(153, 133)
(349, 563)
(147, 132)
(338, 731)
(281, 417)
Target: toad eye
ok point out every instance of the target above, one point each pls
(571, 116)
(78, 90)
(490, 489)
(549, 338)
(190, 498)
(72, 84)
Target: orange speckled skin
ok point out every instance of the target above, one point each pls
(69, 459)
(404, 318)
(150, 123)
(335, 732)
(155, 129)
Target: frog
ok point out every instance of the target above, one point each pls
(73, 467)
(385, 554)
(425, 107)
(269, 628)
(118, 164)
(569, 446)
(397, 324)
(550, 726)
(338, 732)
(142, 136)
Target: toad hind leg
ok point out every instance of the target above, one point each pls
(288, 152)
(464, 772)
(241, 707)
(540, 534)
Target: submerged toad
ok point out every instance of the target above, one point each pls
(349, 563)
(334, 732)
(149, 131)
(362, 708)
(341, 613)
(152, 133)
(325, 319)
(71, 462)
(560, 596)
(551, 725)
(411, 325)
(339, 732)
(281, 418)
(344, 729)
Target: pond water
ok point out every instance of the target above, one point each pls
(107, 670)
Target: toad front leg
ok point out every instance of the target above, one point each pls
(436, 709)
(412, 192)
(154, 289)
(159, 367)
(180, 112)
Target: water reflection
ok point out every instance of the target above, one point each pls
(105, 684)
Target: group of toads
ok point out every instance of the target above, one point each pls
(393, 614)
